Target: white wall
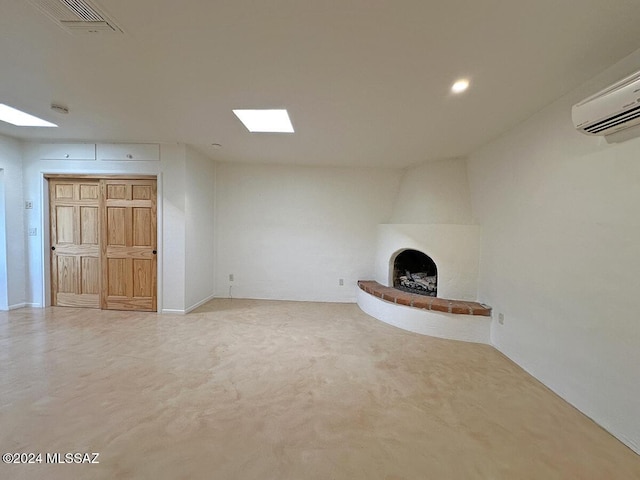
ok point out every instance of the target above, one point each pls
(560, 257)
(200, 225)
(288, 232)
(434, 192)
(171, 217)
(173, 228)
(12, 243)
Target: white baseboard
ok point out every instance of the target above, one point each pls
(16, 306)
(173, 311)
(201, 302)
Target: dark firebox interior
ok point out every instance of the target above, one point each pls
(414, 262)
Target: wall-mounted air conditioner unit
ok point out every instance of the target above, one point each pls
(611, 110)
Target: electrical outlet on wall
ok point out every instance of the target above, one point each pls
(501, 318)
(28, 204)
(231, 277)
(33, 232)
(341, 282)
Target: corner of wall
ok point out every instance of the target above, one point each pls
(14, 217)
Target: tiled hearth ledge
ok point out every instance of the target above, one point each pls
(437, 317)
(421, 301)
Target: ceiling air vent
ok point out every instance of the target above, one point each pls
(78, 16)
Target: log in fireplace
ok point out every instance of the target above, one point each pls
(415, 272)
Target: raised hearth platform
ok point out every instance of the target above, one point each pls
(437, 317)
(422, 301)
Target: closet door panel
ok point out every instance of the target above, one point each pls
(129, 265)
(75, 243)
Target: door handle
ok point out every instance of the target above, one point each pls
(154, 252)
(53, 248)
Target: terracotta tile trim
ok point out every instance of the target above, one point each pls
(393, 295)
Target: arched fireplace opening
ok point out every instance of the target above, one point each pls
(415, 272)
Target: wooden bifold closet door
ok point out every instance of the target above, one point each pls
(129, 245)
(103, 239)
(75, 242)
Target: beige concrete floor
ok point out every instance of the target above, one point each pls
(262, 390)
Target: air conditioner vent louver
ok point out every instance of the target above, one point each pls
(611, 110)
(78, 16)
(614, 121)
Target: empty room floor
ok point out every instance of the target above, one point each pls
(248, 389)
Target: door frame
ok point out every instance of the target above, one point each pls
(46, 234)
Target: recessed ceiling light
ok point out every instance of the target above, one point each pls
(16, 117)
(269, 121)
(460, 86)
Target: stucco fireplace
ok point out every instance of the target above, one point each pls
(451, 253)
(426, 281)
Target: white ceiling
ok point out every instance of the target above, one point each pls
(366, 82)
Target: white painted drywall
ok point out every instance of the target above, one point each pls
(173, 228)
(12, 245)
(291, 232)
(171, 183)
(434, 192)
(560, 257)
(200, 225)
(454, 249)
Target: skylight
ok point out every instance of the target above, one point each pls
(16, 117)
(267, 121)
